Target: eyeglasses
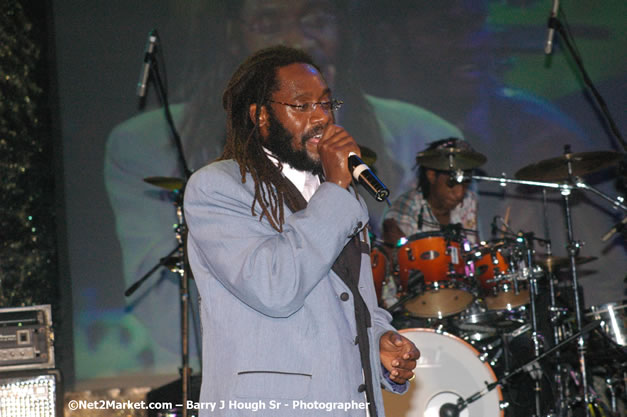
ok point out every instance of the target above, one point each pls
(310, 107)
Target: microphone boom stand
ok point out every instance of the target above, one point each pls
(182, 268)
(452, 410)
(573, 248)
(181, 234)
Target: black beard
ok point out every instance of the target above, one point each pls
(280, 144)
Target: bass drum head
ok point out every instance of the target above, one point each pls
(448, 369)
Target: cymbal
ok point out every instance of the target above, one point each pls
(556, 262)
(450, 159)
(557, 168)
(167, 183)
(368, 155)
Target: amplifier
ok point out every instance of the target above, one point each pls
(26, 338)
(31, 393)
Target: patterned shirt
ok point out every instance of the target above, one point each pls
(411, 209)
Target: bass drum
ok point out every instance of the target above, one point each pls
(448, 369)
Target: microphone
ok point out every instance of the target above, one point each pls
(420, 219)
(362, 174)
(551, 25)
(449, 410)
(618, 227)
(455, 177)
(495, 228)
(151, 44)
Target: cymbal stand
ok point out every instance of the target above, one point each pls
(573, 249)
(503, 181)
(176, 262)
(554, 313)
(537, 338)
(618, 202)
(181, 234)
(182, 270)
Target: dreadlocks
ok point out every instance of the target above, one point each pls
(253, 83)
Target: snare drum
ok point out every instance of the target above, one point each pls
(449, 369)
(479, 324)
(501, 271)
(445, 289)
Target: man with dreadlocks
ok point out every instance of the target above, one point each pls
(429, 207)
(222, 33)
(281, 258)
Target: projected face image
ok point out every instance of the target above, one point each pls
(447, 46)
(410, 72)
(307, 24)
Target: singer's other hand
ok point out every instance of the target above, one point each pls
(398, 355)
(333, 148)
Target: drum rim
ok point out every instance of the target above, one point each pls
(440, 332)
(492, 246)
(605, 308)
(424, 235)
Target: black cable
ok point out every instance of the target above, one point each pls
(566, 37)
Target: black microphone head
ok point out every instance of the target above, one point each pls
(354, 160)
(495, 228)
(382, 194)
(449, 410)
(362, 173)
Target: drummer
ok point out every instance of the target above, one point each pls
(437, 201)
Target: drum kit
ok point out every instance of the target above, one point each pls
(499, 334)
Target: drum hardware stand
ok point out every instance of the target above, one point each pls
(554, 313)
(167, 260)
(556, 24)
(453, 410)
(611, 386)
(181, 265)
(572, 247)
(184, 273)
(176, 262)
(415, 278)
(527, 240)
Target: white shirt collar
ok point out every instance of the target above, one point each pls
(304, 181)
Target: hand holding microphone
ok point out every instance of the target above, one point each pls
(341, 161)
(364, 175)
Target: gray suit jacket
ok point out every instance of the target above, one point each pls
(278, 325)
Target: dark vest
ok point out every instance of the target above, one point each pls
(347, 267)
